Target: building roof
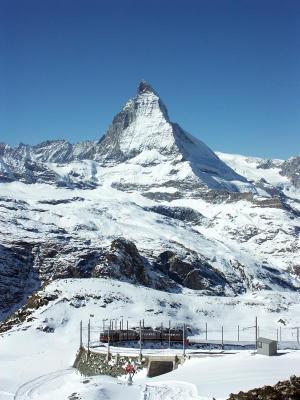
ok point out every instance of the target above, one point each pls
(265, 340)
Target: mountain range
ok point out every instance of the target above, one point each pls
(148, 204)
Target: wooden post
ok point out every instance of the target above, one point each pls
(206, 331)
(222, 338)
(161, 334)
(183, 340)
(169, 334)
(127, 328)
(80, 334)
(238, 333)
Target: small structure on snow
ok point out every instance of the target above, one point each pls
(267, 347)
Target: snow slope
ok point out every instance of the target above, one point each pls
(28, 351)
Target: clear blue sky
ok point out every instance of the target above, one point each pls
(228, 71)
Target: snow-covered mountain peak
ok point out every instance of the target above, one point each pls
(144, 87)
(143, 127)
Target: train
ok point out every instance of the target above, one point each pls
(148, 334)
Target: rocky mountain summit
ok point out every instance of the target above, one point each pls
(148, 204)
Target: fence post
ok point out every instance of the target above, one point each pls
(169, 334)
(298, 335)
(206, 331)
(277, 334)
(238, 333)
(127, 329)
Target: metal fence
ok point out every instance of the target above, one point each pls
(207, 334)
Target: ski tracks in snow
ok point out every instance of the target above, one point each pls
(27, 390)
(170, 390)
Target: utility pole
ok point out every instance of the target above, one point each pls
(169, 334)
(108, 341)
(222, 338)
(127, 328)
(206, 331)
(140, 356)
(183, 340)
(161, 334)
(256, 333)
(80, 334)
(89, 335)
(280, 333)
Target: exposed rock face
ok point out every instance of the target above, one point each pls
(197, 274)
(181, 213)
(285, 390)
(124, 261)
(291, 169)
(18, 278)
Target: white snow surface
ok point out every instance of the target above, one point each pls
(36, 364)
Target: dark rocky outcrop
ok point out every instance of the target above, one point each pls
(184, 214)
(123, 260)
(285, 390)
(291, 169)
(196, 274)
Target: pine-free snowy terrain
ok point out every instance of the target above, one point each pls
(30, 350)
(146, 222)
